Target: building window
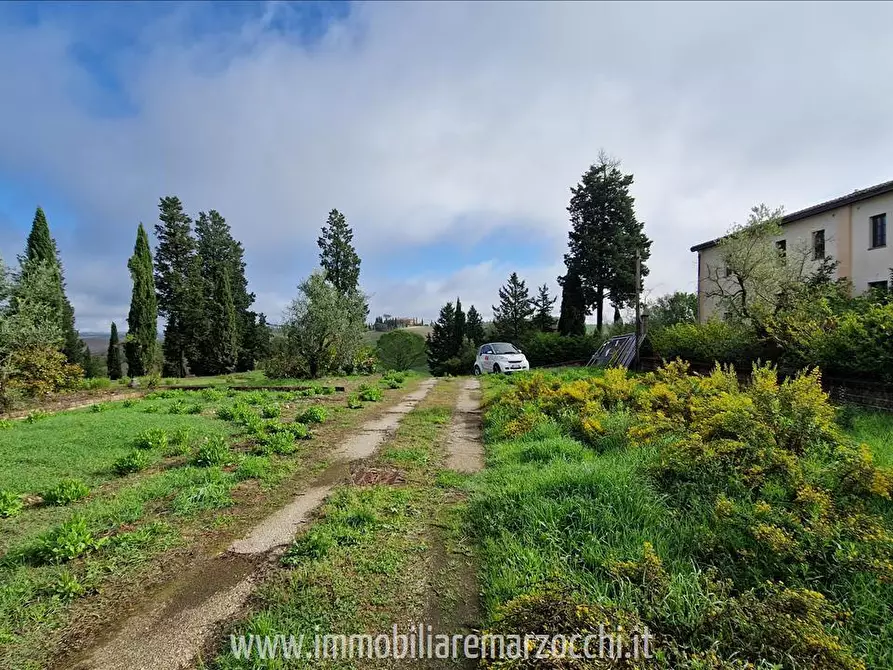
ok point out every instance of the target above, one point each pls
(782, 247)
(818, 245)
(878, 285)
(878, 231)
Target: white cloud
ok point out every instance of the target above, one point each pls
(444, 121)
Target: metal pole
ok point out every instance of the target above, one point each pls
(638, 313)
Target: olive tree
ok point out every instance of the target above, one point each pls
(324, 327)
(401, 350)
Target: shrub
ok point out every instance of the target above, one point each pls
(180, 442)
(152, 381)
(315, 414)
(130, 402)
(370, 394)
(714, 341)
(552, 348)
(213, 451)
(67, 541)
(10, 504)
(99, 407)
(401, 349)
(67, 491)
(95, 383)
(39, 371)
(151, 438)
(353, 401)
(276, 443)
(133, 462)
(270, 411)
(6, 424)
(36, 415)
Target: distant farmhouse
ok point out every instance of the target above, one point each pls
(851, 229)
(387, 322)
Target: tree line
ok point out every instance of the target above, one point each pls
(196, 281)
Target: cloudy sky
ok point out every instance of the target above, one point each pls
(448, 134)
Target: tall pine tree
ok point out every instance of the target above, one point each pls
(41, 249)
(605, 236)
(337, 255)
(511, 318)
(572, 318)
(113, 357)
(174, 257)
(543, 320)
(142, 320)
(474, 326)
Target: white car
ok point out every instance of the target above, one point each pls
(500, 357)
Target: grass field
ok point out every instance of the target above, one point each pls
(712, 515)
(370, 337)
(90, 497)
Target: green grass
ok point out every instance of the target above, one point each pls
(874, 428)
(82, 444)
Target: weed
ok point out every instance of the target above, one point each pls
(151, 438)
(276, 443)
(36, 415)
(353, 401)
(66, 492)
(66, 586)
(67, 541)
(151, 409)
(213, 451)
(10, 504)
(270, 411)
(179, 443)
(99, 407)
(253, 467)
(129, 402)
(135, 461)
(315, 414)
(6, 424)
(370, 393)
(211, 494)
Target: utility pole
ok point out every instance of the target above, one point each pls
(638, 311)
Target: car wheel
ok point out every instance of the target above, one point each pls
(477, 370)
(496, 369)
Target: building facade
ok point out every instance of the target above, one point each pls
(851, 229)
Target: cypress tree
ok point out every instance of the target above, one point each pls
(459, 325)
(511, 317)
(218, 249)
(173, 261)
(222, 327)
(474, 326)
(337, 255)
(572, 320)
(113, 357)
(543, 320)
(142, 320)
(441, 341)
(40, 248)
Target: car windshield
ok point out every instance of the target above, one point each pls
(504, 348)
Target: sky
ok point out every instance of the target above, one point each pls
(449, 134)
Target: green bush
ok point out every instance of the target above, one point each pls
(130, 402)
(353, 401)
(276, 443)
(95, 383)
(36, 415)
(401, 349)
(67, 541)
(6, 424)
(315, 414)
(714, 341)
(135, 461)
(10, 504)
(39, 371)
(213, 451)
(151, 438)
(370, 394)
(67, 491)
(552, 348)
(180, 442)
(270, 411)
(857, 344)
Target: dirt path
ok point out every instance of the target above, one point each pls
(171, 628)
(465, 452)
